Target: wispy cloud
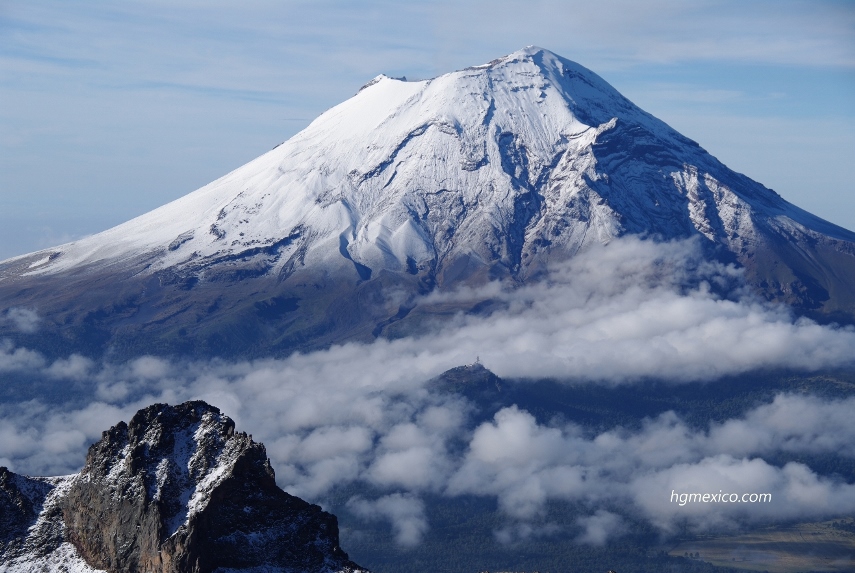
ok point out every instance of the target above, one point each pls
(23, 319)
(619, 33)
(405, 512)
(600, 527)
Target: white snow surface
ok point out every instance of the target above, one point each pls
(63, 558)
(200, 458)
(414, 170)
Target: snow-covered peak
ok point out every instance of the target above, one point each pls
(485, 171)
(448, 129)
(171, 456)
(175, 489)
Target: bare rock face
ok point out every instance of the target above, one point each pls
(16, 509)
(21, 500)
(178, 490)
(31, 527)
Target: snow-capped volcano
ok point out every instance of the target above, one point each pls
(485, 172)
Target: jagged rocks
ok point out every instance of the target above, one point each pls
(31, 527)
(16, 509)
(21, 502)
(175, 490)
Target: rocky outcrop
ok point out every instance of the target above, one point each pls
(16, 509)
(21, 502)
(175, 490)
(469, 375)
(31, 528)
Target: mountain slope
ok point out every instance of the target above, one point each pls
(488, 172)
(176, 489)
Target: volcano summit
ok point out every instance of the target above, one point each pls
(490, 172)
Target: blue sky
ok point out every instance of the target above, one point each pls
(108, 110)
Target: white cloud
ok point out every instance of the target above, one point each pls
(329, 442)
(18, 359)
(75, 367)
(148, 368)
(600, 527)
(641, 468)
(406, 514)
(413, 468)
(519, 461)
(796, 493)
(23, 319)
(628, 311)
(790, 423)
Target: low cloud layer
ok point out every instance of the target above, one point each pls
(363, 412)
(415, 443)
(631, 310)
(525, 464)
(637, 309)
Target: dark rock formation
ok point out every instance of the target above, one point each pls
(21, 499)
(175, 490)
(30, 517)
(16, 509)
(468, 378)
